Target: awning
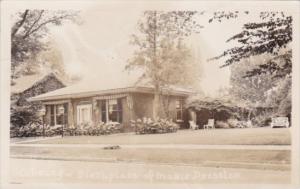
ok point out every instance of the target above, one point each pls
(108, 97)
(56, 102)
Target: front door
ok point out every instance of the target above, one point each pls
(84, 114)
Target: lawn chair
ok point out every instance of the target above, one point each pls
(193, 125)
(210, 124)
(280, 122)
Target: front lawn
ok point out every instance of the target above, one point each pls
(253, 136)
(173, 156)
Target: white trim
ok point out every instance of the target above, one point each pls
(79, 109)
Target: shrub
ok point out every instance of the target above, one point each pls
(94, 130)
(232, 123)
(148, 126)
(32, 129)
(262, 120)
(222, 124)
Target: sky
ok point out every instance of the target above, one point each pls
(98, 48)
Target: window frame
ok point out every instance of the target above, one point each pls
(54, 116)
(109, 110)
(89, 108)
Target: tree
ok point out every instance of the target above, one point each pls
(280, 96)
(161, 52)
(250, 90)
(271, 38)
(29, 32)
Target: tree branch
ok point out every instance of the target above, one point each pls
(47, 22)
(19, 24)
(34, 23)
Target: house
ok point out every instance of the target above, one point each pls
(29, 86)
(22, 111)
(113, 101)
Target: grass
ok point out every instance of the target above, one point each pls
(254, 136)
(174, 156)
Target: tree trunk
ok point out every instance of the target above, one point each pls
(249, 114)
(156, 102)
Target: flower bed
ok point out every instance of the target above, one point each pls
(150, 126)
(96, 130)
(36, 129)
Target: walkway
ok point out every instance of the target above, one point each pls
(161, 146)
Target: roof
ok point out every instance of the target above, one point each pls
(25, 82)
(215, 105)
(100, 87)
(199, 101)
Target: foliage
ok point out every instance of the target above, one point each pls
(269, 82)
(277, 67)
(29, 32)
(35, 128)
(24, 112)
(220, 15)
(94, 130)
(250, 90)
(149, 126)
(269, 89)
(32, 129)
(280, 96)
(21, 116)
(222, 124)
(232, 123)
(224, 107)
(268, 36)
(160, 51)
(262, 120)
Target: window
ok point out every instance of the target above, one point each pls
(112, 110)
(179, 110)
(52, 115)
(103, 110)
(66, 113)
(59, 117)
(115, 110)
(55, 118)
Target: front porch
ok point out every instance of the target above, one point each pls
(78, 112)
(117, 108)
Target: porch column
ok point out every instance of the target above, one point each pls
(70, 115)
(48, 115)
(95, 112)
(107, 111)
(129, 100)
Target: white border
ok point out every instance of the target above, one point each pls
(6, 6)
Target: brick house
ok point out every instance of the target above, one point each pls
(94, 103)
